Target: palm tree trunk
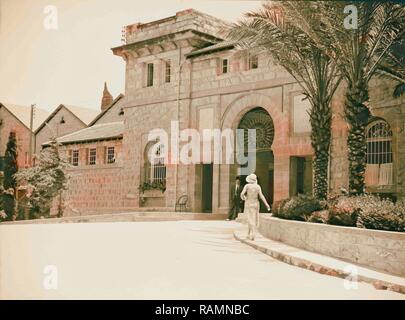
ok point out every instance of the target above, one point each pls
(320, 139)
(357, 115)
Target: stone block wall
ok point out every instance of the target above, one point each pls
(11, 123)
(55, 128)
(381, 250)
(95, 188)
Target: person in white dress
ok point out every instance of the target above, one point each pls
(251, 194)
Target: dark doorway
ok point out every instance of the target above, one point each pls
(207, 188)
(258, 119)
(300, 175)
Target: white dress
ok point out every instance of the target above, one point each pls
(251, 194)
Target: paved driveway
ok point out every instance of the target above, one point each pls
(153, 260)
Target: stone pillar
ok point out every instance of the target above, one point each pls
(281, 177)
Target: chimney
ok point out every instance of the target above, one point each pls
(107, 98)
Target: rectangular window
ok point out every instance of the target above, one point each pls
(149, 80)
(253, 62)
(110, 155)
(225, 65)
(75, 158)
(168, 71)
(92, 156)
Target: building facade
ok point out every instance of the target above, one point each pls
(181, 74)
(63, 120)
(16, 119)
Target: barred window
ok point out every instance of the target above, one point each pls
(379, 169)
(110, 155)
(75, 158)
(92, 156)
(155, 168)
(168, 71)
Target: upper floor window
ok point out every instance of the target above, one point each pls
(149, 76)
(168, 71)
(110, 155)
(253, 61)
(225, 65)
(92, 155)
(379, 159)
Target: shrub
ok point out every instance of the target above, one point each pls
(297, 208)
(381, 214)
(319, 216)
(343, 211)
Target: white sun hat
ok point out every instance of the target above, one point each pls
(251, 178)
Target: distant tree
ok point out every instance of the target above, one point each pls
(45, 181)
(9, 182)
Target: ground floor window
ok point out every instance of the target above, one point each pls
(379, 169)
(92, 156)
(110, 155)
(155, 166)
(75, 158)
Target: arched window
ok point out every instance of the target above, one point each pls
(379, 170)
(155, 167)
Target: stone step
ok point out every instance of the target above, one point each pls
(320, 263)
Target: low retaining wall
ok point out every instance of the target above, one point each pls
(125, 217)
(381, 250)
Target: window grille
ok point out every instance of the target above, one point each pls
(156, 168)
(75, 158)
(110, 155)
(92, 156)
(379, 159)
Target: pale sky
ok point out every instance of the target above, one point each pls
(69, 65)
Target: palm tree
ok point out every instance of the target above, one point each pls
(360, 54)
(272, 30)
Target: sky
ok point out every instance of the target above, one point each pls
(49, 61)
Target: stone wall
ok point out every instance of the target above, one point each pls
(95, 188)
(54, 127)
(11, 123)
(113, 114)
(380, 250)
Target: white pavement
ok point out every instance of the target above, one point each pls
(154, 260)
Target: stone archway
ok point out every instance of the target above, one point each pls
(231, 118)
(262, 157)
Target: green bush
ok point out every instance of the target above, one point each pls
(297, 208)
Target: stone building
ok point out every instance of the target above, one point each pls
(16, 119)
(63, 120)
(180, 70)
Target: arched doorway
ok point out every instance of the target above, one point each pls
(260, 120)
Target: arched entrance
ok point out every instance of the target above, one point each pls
(260, 120)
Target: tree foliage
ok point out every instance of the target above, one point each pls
(361, 52)
(45, 181)
(9, 182)
(279, 29)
